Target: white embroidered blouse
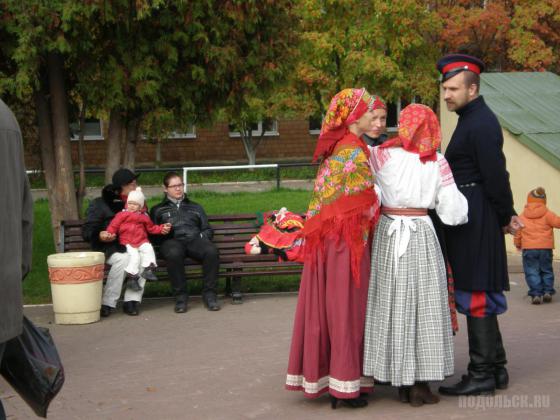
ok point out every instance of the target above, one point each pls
(403, 181)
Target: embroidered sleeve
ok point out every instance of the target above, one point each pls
(445, 172)
(378, 157)
(451, 205)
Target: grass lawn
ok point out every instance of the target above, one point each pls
(36, 287)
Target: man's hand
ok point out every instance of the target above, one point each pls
(166, 228)
(105, 236)
(515, 224)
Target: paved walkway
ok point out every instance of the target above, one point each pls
(231, 365)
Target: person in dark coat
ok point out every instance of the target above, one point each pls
(190, 236)
(99, 214)
(476, 250)
(16, 229)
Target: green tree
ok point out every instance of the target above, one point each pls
(383, 45)
(256, 42)
(534, 36)
(37, 50)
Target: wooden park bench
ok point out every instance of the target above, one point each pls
(231, 233)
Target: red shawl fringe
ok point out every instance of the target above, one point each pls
(349, 218)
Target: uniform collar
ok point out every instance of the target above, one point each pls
(476, 103)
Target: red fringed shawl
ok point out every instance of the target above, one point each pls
(344, 203)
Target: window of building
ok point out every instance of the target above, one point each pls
(93, 130)
(394, 111)
(315, 124)
(269, 126)
(189, 133)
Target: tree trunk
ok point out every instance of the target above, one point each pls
(47, 157)
(113, 145)
(131, 142)
(64, 188)
(247, 138)
(82, 183)
(157, 163)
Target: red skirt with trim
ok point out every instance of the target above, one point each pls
(326, 352)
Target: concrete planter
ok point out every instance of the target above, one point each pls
(76, 286)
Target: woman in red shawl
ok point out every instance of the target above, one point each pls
(327, 343)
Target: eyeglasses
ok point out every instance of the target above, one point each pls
(176, 186)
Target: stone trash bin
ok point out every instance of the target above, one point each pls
(76, 286)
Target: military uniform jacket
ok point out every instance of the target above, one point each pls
(476, 250)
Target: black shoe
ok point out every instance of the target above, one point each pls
(130, 308)
(470, 386)
(105, 311)
(181, 304)
(502, 377)
(149, 274)
(132, 282)
(352, 402)
(211, 302)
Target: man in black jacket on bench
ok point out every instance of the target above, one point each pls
(190, 236)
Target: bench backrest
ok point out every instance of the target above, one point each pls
(231, 233)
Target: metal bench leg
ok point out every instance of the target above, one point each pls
(236, 295)
(228, 283)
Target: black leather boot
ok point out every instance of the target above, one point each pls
(501, 375)
(480, 380)
(500, 372)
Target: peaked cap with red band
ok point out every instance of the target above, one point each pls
(453, 64)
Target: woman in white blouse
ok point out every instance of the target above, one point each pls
(408, 336)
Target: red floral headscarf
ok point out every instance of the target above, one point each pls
(378, 103)
(419, 132)
(346, 107)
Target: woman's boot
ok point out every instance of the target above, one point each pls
(421, 394)
(404, 394)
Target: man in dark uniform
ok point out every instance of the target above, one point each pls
(476, 250)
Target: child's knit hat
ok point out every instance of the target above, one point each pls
(538, 195)
(137, 196)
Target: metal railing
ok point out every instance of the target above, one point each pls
(277, 166)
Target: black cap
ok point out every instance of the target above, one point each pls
(453, 64)
(123, 176)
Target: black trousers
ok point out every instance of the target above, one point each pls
(174, 253)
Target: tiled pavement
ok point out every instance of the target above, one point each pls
(231, 365)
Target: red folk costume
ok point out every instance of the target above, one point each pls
(327, 343)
